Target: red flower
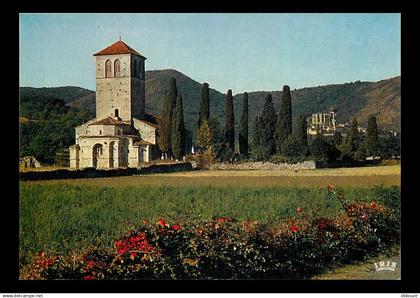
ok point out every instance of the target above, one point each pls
(161, 222)
(330, 187)
(221, 219)
(299, 209)
(41, 254)
(373, 205)
(134, 254)
(88, 277)
(294, 229)
(91, 264)
(135, 239)
(176, 227)
(145, 221)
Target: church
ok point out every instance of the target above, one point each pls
(122, 134)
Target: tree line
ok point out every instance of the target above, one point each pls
(275, 137)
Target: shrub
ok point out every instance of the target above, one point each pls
(224, 248)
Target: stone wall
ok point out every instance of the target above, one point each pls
(95, 173)
(306, 165)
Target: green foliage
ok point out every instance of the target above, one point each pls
(305, 243)
(372, 140)
(204, 112)
(301, 135)
(322, 150)
(50, 128)
(229, 122)
(243, 132)
(165, 125)
(178, 130)
(284, 119)
(337, 139)
(268, 120)
(291, 147)
(390, 146)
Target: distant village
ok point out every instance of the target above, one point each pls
(326, 123)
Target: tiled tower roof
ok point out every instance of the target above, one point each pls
(118, 47)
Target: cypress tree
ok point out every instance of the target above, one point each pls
(352, 138)
(284, 119)
(300, 133)
(204, 112)
(256, 136)
(173, 92)
(243, 133)
(372, 140)
(178, 129)
(230, 121)
(268, 120)
(165, 124)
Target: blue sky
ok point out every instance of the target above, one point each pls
(242, 52)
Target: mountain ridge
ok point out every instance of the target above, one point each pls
(353, 99)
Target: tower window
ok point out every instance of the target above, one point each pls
(100, 132)
(117, 68)
(116, 113)
(108, 73)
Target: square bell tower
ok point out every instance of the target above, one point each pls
(120, 82)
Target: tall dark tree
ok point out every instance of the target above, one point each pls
(257, 152)
(165, 124)
(256, 132)
(284, 119)
(301, 133)
(352, 138)
(204, 112)
(230, 121)
(243, 132)
(173, 92)
(165, 121)
(372, 139)
(178, 130)
(268, 121)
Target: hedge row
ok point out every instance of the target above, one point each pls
(223, 248)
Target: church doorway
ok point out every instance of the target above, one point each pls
(123, 152)
(96, 154)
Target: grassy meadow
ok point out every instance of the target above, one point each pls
(65, 215)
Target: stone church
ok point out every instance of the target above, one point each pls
(122, 134)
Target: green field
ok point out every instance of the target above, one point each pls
(65, 215)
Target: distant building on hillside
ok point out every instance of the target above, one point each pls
(324, 122)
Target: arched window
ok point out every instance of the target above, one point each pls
(117, 68)
(108, 73)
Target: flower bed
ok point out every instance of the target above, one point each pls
(224, 248)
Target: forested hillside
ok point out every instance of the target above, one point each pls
(49, 115)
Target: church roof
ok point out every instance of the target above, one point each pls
(142, 142)
(118, 47)
(108, 121)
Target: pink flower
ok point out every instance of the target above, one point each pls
(91, 264)
(299, 209)
(373, 205)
